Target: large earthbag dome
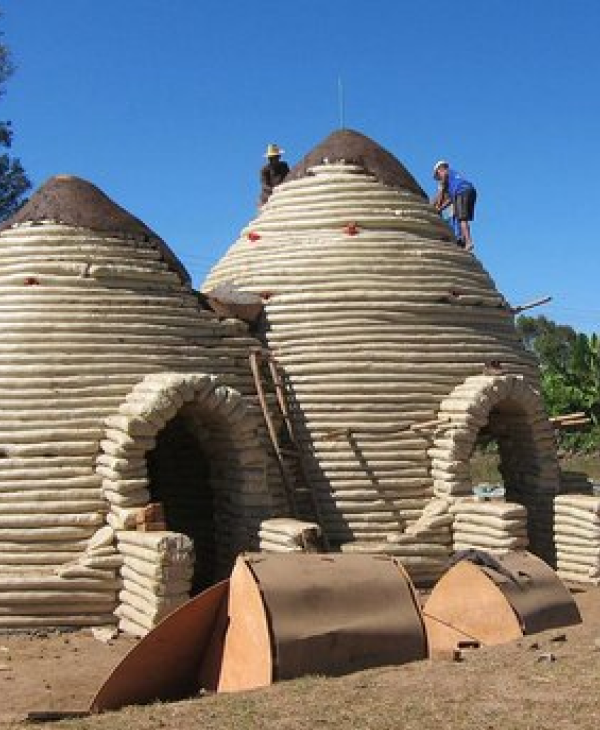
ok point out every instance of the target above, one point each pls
(382, 325)
(116, 389)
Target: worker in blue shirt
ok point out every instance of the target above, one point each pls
(455, 190)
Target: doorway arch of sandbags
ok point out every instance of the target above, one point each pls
(512, 412)
(228, 429)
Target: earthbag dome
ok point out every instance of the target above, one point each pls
(116, 389)
(397, 350)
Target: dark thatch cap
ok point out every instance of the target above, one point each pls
(73, 201)
(351, 146)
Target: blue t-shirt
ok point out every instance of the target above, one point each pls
(457, 183)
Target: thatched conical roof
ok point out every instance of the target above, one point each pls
(346, 145)
(73, 201)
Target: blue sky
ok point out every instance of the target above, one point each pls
(167, 105)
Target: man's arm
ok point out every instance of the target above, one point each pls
(441, 199)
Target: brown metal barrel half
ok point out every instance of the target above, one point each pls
(489, 606)
(320, 614)
(279, 616)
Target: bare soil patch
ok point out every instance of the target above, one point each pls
(550, 680)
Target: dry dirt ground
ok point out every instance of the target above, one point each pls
(551, 680)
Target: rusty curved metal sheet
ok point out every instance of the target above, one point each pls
(478, 603)
(247, 660)
(337, 613)
(536, 593)
(171, 661)
(465, 605)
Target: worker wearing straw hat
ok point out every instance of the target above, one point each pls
(456, 190)
(273, 173)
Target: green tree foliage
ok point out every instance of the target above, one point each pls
(14, 182)
(570, 373)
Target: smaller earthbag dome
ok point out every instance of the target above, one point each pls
(116, 388)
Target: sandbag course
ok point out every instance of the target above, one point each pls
(577, 537)
(81, 591)
(491, 526)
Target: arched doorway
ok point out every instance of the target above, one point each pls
(510, 411)
(179, 472)
(197, 447)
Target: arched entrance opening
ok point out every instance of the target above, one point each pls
(179, 473)
(485, 464)
(197, 447)
(506, 409)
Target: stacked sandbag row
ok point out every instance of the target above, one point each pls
(286, 535)
(577, 537)
(375, 316)
(492, 526)
(80, 592)
(156, 577)
(91, 301)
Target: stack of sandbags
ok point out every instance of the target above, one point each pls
(577, 537)
(157, 576)
(287, 535)
(425, 546)
(492, 526)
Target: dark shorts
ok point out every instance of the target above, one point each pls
(464, 205)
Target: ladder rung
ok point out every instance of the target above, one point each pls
(290, 452)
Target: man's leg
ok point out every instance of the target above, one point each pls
(465, 211)
(465, 232)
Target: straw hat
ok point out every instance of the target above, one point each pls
(273, 150)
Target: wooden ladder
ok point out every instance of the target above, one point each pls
(258, 356)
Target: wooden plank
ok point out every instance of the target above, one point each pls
(283, 405)
(531, 305)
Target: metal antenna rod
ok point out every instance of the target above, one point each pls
(341, 101)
